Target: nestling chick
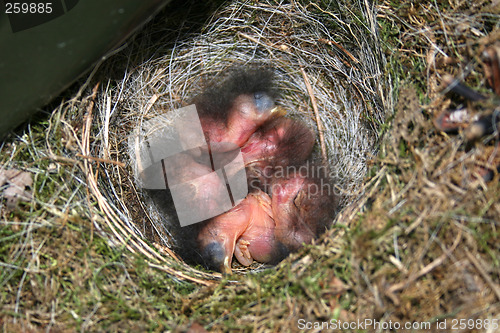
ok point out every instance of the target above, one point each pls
(279, 143)
(232, 111)
(303, 205)
(247, 231)
(192, 178)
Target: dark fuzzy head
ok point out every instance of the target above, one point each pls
(216, 101)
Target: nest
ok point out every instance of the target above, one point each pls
(421, 242)
(328, 67)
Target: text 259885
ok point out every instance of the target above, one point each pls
(28, 7)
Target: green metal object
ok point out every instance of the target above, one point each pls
(48, 47)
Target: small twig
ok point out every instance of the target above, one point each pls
(331, 42)
(417, 222)
(316, 114)
(258, 42)
(483, 273)
(399, 265)
(88, 121)
(107, 118)
(165, 250)
(150, 103)
(85, 146)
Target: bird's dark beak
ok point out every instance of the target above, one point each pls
(218, 255)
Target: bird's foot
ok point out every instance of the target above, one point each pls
(242, 253)
(265, 203)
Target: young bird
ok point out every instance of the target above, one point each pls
(279, 143)
(246, 231)
(303, 206)
(232, 111)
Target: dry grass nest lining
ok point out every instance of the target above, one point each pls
(328, 68)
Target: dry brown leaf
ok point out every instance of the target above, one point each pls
(196, 328)
(16, 185)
